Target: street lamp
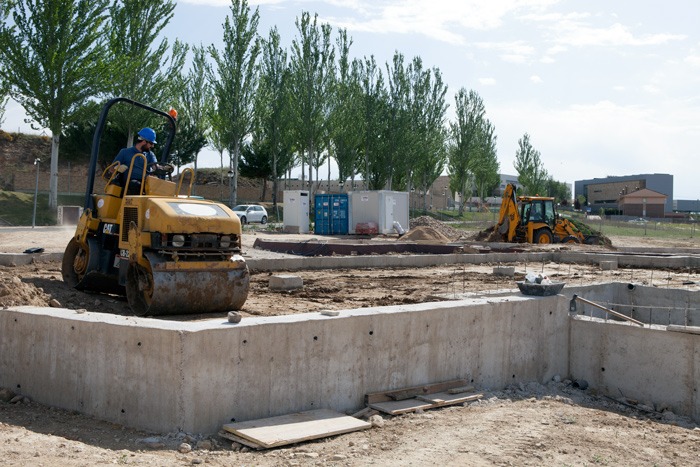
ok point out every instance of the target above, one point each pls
(36, 190)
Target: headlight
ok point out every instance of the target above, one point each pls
(178, 241)
(225, 241)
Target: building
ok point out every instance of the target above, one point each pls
(643, 203)
(606, 192)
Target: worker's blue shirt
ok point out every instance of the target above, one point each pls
(125, 156)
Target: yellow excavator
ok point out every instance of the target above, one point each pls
(534, 219)
(167, 251)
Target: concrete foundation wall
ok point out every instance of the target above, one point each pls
(195, 376)
(654, 366)
(167, 376)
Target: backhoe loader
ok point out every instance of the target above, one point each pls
(167, 251)
(534, 219)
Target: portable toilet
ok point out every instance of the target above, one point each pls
(331, 214)
(382, 207)
(296, 211)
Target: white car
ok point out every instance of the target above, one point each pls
(251, 213)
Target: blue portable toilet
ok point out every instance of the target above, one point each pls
(331, 214)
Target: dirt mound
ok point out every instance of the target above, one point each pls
(426, 234)
(443, 229)
(14, 292)
(489, 234)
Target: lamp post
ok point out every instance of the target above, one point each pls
(36, 191)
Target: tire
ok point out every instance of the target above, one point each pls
(244, 221)
(543, 236)
(75, 263)
(263, 220)
(571, 239)
(139, 289)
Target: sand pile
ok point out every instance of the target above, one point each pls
(14, 292)
(425, 234)
(444, 230)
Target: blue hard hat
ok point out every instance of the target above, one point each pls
(148, 134)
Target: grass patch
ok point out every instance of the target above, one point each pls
(17, 208)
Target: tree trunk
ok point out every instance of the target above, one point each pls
(53, 180)
(233, 186)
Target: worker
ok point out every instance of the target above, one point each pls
(145, 142)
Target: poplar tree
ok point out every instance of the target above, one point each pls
(465, 132)
(531, 172)
(311, 67)
(142, 69)
(234, 82)
(53, 61)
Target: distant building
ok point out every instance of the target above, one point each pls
(643, 203)
(505, 180)
(606, 192)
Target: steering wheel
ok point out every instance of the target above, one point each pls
(165, 170)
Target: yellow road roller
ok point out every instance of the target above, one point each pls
(167, 251)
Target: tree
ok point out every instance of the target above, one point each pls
(374, 103)
(235, 82)
(398, 135)
(194, 103)
(531, 172)
(272, 112)
(558, 190)
(311, 69)
(465, 132)
(485, 166)
(4, 85)
(53, 59)
(141, 70)
(427, 126)
(346, 113)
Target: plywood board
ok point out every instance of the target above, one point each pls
(297, 427)
(445, 398)
(400, 407)
(414, 391)
(238, 439)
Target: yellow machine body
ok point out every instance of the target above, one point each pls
(167, 251)
(533, 219)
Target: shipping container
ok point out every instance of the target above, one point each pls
(331, 214)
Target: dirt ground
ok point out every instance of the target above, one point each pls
(539, 423)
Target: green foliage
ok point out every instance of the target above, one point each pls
(473, 162)
(53, 61)
(234, 82)
(272, 134)
(140, 68)
(558, 190)
(346, 112)
(531, 172)
(17, 208)
(374, 102)
(312, 76)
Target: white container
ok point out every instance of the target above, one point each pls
(69, 215)
(383, 207)
(296, 211)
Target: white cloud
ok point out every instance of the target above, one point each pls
(535, 79)
(487, 81)
(512, 52)
(581, 35)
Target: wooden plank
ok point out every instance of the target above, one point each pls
(401, 407)
(440, 399)
(295, 428)
(461, 389)
(405, 393)
(238, 439)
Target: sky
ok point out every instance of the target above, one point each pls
(603, 88)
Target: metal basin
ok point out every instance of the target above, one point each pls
(540, 290)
